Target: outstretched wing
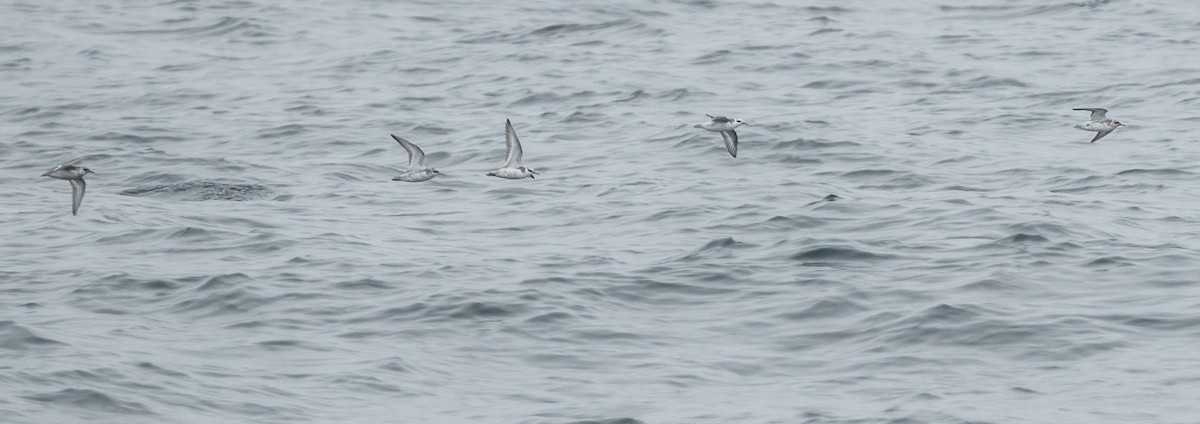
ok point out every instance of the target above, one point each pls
(416, 157)
(1100, 134)
(720, 119)
(1097, 113)
(512, 146)
(731, 141)
(77, 188)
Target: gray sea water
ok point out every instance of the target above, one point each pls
(242, 256)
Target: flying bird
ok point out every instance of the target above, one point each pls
(73, 174)
(417, 171)
(513, 169)
(1099, 123)
(724, 126)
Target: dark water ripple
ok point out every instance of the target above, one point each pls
(912, 232)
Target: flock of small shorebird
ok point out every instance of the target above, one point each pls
(513, 168)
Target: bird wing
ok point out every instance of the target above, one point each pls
(77, 188)
(1097, 113)
(51, 171)
(512, 146)
(1100, 134)
(720, 119)
(416, 157)
(731, 141)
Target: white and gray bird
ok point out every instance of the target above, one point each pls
(1099, 123)
(417, 171)
(73, 174)
(724, 126)
(513, 169)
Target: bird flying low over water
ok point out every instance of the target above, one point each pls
(1099, 123)
(724, 126)
(417, 171)
(513, 169)
(73, 174)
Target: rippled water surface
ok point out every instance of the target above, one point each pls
(243, 256)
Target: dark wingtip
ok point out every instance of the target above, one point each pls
(395, 138)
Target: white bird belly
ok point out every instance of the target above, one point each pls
(510, 173)
(414, 176)
(716, 127)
